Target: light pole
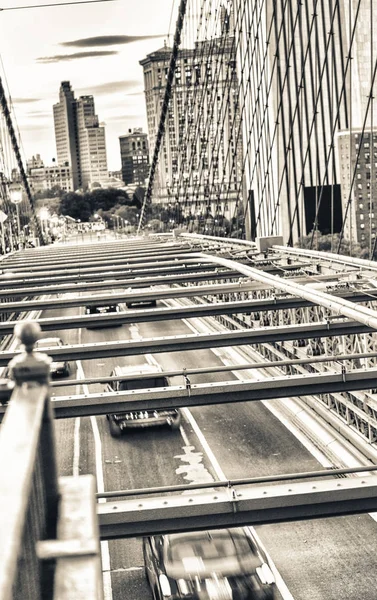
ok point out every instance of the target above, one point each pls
(16, 198)
(44, 215)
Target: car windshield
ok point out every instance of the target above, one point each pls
(139, 384)
(205, 553)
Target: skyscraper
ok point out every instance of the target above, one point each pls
(66, 132)
(80, 140)
(308, 73)
(194, 160)
(134, 155)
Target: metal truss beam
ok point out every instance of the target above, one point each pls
(181, 292)
(98, 270)
(108, 276)
(30, 289)
(111, 259)
(338, 306)
(205, 394)
(327, 258)
(201, 340)
(161, 314)
(235, 506)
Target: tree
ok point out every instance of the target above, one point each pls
(330, 243)
(54, 192)
(76, 206)
(83, 206)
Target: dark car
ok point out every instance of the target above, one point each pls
(6, 389)
(57, 367)
(102, 309)
(120, 422)
(141, 303)
(226, 564)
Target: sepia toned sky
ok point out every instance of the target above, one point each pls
(97, 47)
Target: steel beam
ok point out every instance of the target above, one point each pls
(131, 281)
(110, 260)
(180, 292)
(106, 271)
(194, 341)
(205, 394)
(161, 314)
(235, 506)
(108, 276)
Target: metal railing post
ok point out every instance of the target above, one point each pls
(32, 370)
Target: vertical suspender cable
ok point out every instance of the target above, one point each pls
(16, 150)
(164, 111)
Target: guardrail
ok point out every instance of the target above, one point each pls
(49, 542)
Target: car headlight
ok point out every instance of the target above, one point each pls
(265, 574)
(165, 585)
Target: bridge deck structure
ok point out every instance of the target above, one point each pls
(306, 320)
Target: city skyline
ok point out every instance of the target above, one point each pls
(97, 47)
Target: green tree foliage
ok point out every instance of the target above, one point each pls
(54, 192)
(330, 243)
(102, 201)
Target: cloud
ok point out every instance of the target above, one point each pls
(24, 100)
(75, 56)
(38, 114)
(109, 40)
(111, 87)
(139, 93)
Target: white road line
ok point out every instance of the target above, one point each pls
(76, 448)
(213, 460)
(284, 591)
(76, 435)
(105, 553)
(282, 587)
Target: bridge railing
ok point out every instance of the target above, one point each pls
(49, 542)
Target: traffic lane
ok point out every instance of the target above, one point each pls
(141, 459)
(64, 428)
(236, 431)
(319, 559)
(325, 559)
(154, 457)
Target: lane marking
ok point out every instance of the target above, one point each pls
(281, 585)
(76, 448)
(76, 435)
(105, 552)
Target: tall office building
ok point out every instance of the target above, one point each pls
(134, 154)
(80, 140)
(91, 143)
(194, 160)
(66, 132)
(308, 73)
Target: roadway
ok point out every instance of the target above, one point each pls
(318, 560)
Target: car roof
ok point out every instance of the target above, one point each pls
(214, 534)
(141, 369)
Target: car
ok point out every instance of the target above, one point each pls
(6, 389)
(101, 309)
(141, 303)
(222, 563)
(154, 378)
(57, 367)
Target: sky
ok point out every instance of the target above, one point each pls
(97, 47)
